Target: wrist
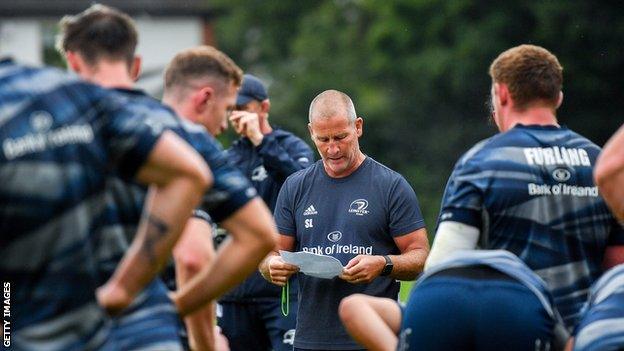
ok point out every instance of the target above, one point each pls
(387, 267)
(257, 139)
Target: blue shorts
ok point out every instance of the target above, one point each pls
(258, 325)
(456, 311)
(151, 322)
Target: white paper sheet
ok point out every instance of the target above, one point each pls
(319, 266)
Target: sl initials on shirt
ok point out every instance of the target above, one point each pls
(308, 223)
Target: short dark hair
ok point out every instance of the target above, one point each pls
(201, 62)
(531, 73)
(99, 32)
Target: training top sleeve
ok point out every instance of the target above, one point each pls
(404, 212)
(284, 211)
(463, 199)
(284, 157)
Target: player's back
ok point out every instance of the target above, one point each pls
(540, 202)
(56, 154)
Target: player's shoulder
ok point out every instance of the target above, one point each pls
(382, 173)
(304, 176)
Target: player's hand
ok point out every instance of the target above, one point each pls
(280, 271)
(221, 342)
(362, 269)
(247, 124)
(112, 298)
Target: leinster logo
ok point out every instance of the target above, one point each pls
(334, 236)
(359, 207)
(41, 121)
(561, 174)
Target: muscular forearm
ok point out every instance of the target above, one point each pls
(408, 265)
(167, 210)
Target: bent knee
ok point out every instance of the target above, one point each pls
(349, 306)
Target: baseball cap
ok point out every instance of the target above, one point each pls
(251, 89)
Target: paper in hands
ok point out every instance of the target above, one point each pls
(319, 266)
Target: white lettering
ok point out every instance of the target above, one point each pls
(555, 155)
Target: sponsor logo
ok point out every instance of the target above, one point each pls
(310, 211)
(259, 174)
(359, 207)
(561, 174)
(334, 236)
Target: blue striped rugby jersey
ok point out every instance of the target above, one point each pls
(602, 325)
(530, 191)
(61, 140)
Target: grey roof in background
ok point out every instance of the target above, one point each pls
(158, 8)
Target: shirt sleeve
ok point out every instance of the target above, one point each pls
(284, 212)
(404, 211)
(284, 157)
(462, 201)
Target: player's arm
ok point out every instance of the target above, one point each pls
(450, 237)
(414, 248)
(283, 160)
(178, 176)
(609, 173)
(273, 268)
(374, 322)
(252, 236)
(193, 252)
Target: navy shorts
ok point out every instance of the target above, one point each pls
(474, 308)
(258, 325)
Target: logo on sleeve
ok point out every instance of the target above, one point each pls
(359, 207)
(310, 211)
(259, 174)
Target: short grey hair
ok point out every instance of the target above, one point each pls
(332, 103)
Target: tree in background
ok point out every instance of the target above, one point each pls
(417, 70)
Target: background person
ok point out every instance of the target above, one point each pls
(530, 189)
(251, 314)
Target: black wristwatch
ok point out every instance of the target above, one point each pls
(388, 267)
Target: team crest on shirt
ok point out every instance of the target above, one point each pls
(41, 121)
(259, 174)
(359, 207)
(334, 236)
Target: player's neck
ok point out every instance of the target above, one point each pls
(542, 116)
(112, 75)
(265, 127)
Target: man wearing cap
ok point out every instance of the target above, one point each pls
(251, 316)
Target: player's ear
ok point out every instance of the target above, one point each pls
(74, 61)
(359, 123)
(559, 100)
(202, 98)
(265, 106)
(135, 68)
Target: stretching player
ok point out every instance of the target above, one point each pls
(61, 140)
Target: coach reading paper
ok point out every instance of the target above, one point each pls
(353, 208)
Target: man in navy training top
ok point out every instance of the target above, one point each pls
(353, 208)
(529, 189)
(473, 300)
(251, 315)
(99, 45)
(62, 139)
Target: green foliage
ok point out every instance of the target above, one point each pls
(417, 69)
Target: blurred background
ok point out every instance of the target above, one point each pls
(416, 69)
